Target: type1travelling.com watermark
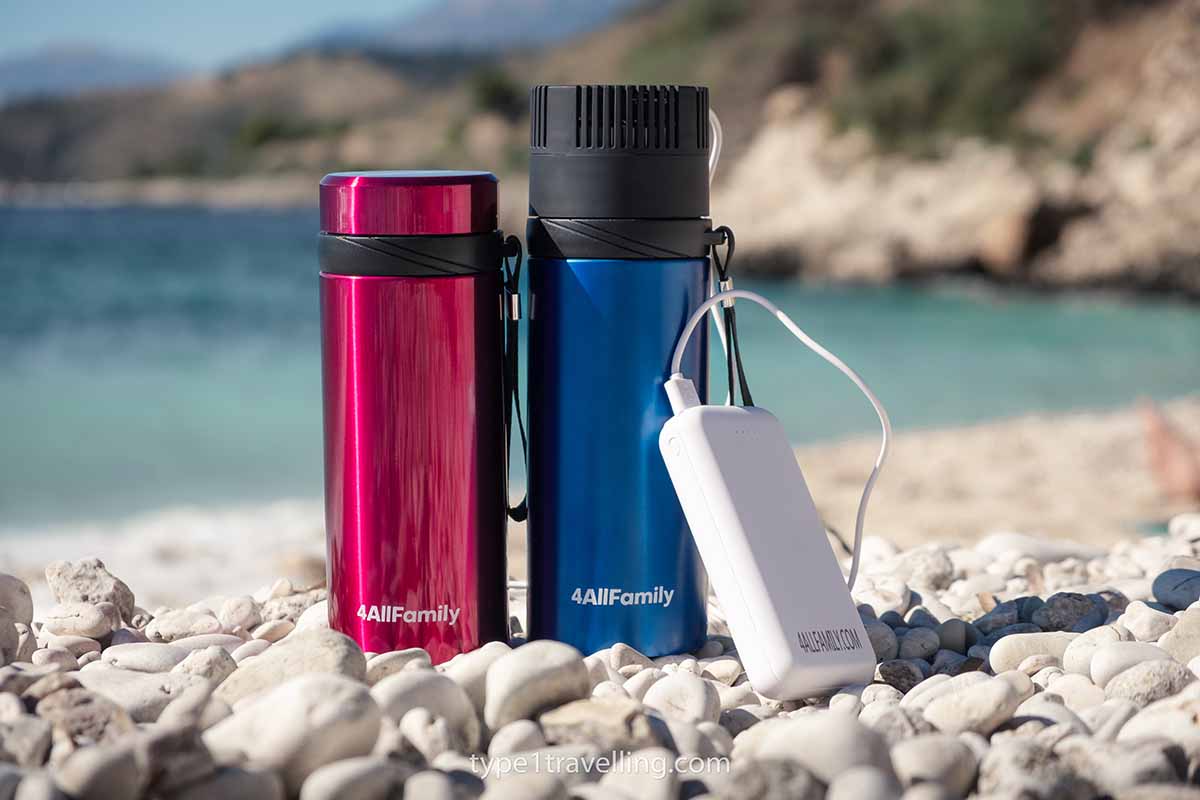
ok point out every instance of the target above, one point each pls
(658, 765)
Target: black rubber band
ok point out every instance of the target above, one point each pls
(409, 256)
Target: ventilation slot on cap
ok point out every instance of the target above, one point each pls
(538, 117)
(623, 117)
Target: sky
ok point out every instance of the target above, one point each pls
(198, 35)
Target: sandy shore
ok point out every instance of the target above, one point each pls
(1079, 476)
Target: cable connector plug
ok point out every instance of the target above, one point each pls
(682, 393)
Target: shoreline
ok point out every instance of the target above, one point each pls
(768, 259)
(1078, 476)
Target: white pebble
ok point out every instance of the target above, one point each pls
(469, 670)
(315, 616)
(531, 678)
(824, 744)
(1145, 623)
(1011, 650)
(81, 619)
(55, 655)
(181, 624)
(214, 664)
(143, 694)
(1077, 657)
(639, 684)
(298, 727)
(980, 708)
(684, 696)
(516, 737)
(936, 758)
(400, 693)
(1077, 691)
(385, 664)
(249, 649)
(274, 630)
(315, 650)
(143, 657)
(1113, 658)
(239, 612)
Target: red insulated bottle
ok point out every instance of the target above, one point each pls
(412, 297)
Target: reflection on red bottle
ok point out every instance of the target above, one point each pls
(414, 478)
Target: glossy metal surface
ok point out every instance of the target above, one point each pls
(603, 512)
(414, 471)
(403, 203)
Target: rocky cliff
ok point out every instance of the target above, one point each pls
(812, 197)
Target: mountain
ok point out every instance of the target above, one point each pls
(71, 69)
(475, 26)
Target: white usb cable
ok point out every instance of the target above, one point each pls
(714, 158)
(682, 393)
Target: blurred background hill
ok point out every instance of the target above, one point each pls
(1059, 140)
(65, 69)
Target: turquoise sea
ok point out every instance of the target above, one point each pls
(151, 357)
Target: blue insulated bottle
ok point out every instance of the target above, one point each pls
(618, 241)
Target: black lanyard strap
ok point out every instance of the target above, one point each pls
(510, 380)
(733, 356)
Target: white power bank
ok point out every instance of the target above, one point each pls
(797, 630)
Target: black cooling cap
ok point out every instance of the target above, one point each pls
(619, 152)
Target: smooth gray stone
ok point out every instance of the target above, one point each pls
(143, 694)
(102, 772)
(234, 783)
(1177, 588)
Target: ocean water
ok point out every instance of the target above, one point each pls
(154, 357)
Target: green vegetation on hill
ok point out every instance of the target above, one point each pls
(679, 41)
(961, 67)
(494, 89)
(262, 129)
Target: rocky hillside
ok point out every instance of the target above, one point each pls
(297, 115)
(1106, 198)
(1031, 142)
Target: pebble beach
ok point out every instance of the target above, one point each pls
(1019, 667)
(1015, 661)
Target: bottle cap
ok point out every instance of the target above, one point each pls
(408, 203)
(619, 152)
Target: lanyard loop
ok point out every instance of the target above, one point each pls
(733, 353)
(510, 380)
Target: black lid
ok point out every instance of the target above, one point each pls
(619, 152)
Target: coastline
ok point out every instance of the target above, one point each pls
(1080, 476)
(769, 246)
(246, 192)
